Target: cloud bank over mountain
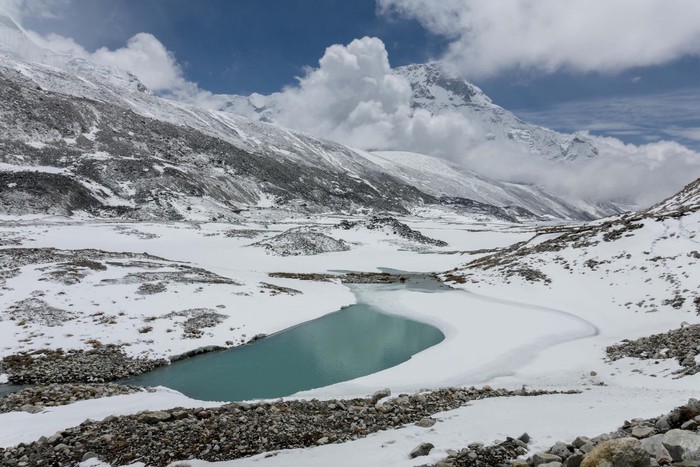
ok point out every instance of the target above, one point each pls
(489, 37)
(353, 96)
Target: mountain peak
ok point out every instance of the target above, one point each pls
(435, 86)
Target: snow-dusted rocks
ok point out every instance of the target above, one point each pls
(100, 364)
(682, 344)
(303, 242)
(392, 226)
(35, 399)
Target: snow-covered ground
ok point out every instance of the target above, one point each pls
(501, 332)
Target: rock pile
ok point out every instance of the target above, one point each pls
(238, 430)
(391, 225)
(301, 242)
(672, 439)
(98, 365)
(683, 344)
(34, 399)
(478, 455)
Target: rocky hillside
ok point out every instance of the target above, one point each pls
(646, 257)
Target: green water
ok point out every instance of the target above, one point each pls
(350, 343)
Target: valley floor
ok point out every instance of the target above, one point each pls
(162, 290)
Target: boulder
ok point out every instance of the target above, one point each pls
(422, 449)
(155, 417)
(655, 447)
(425, 422)
(682, 445)
(544, 458)
(560, 449)
(622, 452)
(642, 431)
(574, 460)
(381, 394)
(580, 441)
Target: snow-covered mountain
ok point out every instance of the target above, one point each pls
(440, 91)
(80, 136)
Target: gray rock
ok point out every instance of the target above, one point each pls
(381, 394)
(663, 423)
(425, 422)
(560, 449)
(588, 447)
(422, 449)
(682, 445)
(580, 441)
(55, 439)
(642, 431)
(622, 452)
(574, 460)
(525, 438)
(155, 417)
(655, 447)
(551, 464)
(88, 456)
(544, 458)
(689, 425)
(694, 405)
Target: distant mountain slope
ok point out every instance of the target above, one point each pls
(447, 180)
(75, 135)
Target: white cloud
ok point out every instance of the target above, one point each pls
(353, 98)
(147, 58)
(143, 55)
(491, 36)
(637, 174)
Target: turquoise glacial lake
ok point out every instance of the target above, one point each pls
(353, 342)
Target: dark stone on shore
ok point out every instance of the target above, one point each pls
(422, 449)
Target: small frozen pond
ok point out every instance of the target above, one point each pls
(356, 341)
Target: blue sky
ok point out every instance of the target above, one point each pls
(241, 46)
(244, 46)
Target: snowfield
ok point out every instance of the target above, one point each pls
(501, 330)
